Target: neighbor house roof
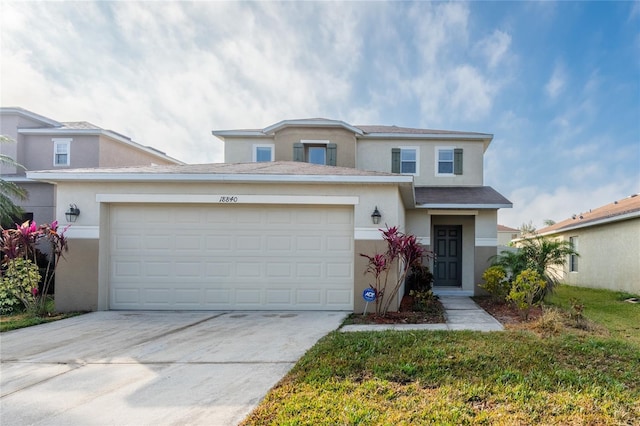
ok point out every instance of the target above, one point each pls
(78, 128)
(626, 208)
(503, 228)
(460, 197)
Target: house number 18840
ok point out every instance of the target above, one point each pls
(226, 199)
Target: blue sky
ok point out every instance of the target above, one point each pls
(557, 83)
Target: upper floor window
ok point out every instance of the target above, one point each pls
(405, 160)
(61, 152)
(315, 152)
(263, 153)
(448, 161)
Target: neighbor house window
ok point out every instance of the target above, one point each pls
(263, 153)
(448, 161)
(316, 152)
(61, 152)
(573, 259)
(405, 160)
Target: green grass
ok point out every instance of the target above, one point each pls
(453, 378)
(607, 308)
(23, 319)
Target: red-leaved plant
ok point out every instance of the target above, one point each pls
(28, 241)
(404, 251)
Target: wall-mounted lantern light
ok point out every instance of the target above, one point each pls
(375, 216)
(73, 213)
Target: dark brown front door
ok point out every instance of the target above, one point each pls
(448, 248)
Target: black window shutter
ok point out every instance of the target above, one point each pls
(457, 161)
(332, 153)
(395, 160)
(298, 152)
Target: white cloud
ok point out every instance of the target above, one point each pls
(495, 47)
(556, 83)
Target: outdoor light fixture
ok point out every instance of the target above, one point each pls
(73, 213)
(375, 216)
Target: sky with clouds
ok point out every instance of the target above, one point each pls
(557, 83)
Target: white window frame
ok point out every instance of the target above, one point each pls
(417, 150)
(453, 160)
(574, 263)
(61, 142)
(263, 145)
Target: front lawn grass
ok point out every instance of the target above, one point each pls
(607, 308)
(453, 378)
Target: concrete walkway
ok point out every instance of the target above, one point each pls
(461, 313)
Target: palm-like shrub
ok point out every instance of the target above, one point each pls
(544, 255)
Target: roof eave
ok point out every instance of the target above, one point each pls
(311, 123)
(30, 115)
(213, 177)
(603, 221)
(437, 136)
(464, 206)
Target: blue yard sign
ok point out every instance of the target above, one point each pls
(369, 294)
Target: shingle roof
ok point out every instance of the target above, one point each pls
(266, 168)
(503, 228)
(369, 129)
(609, 212)
(75, 125)
(460, 197)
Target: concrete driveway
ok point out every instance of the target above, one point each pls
(151, 368)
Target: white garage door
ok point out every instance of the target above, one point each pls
(219, 257)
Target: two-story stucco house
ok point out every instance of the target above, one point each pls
(281, 224)
(40, 143)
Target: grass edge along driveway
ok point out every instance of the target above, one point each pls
(445, 377)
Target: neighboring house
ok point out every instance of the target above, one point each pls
(506, 235)
(41, 143)
(281, 224)
(608, 241)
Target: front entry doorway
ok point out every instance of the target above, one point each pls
(448, 262)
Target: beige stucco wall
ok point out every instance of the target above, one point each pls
(113, 153)
(38, 151)
(84, 280)
(77, 277)
(609, 256)
(375, 155)
(240, 150)
(40, 201)
(363, 281)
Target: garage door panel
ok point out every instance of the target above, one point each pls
(233, 257)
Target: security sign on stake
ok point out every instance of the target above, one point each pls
(369, 294)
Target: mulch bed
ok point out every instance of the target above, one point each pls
(433, 313)
(506, 313)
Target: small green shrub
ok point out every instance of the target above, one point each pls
(496, 282)
(526, 289)
(421, 299)
(19, 283)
